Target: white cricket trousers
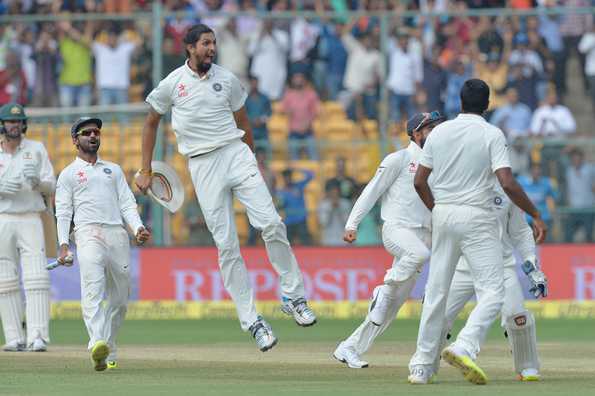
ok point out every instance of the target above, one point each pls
(473, 233)
(103, 253)
(461, 291)
(219, 176)
(22, 240)
(411, 249)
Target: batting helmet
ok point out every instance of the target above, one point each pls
(13, 112)
(421, 120)
(78, 124)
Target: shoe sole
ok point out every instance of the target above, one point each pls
(432, 380)
(471, 371)
(529, 378)
(269, 347)
(342, 360)
(99, 354)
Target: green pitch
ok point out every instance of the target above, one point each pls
(213, 357)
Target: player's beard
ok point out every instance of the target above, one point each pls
(14, 132)
(203, 67)
(422, 142)
(88, 148)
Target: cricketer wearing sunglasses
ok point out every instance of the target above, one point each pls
(405, 234)
(95, 191)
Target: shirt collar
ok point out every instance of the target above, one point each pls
(470, 117)
(19, 148)
(194, 74)
(81, 161)
(414, 147)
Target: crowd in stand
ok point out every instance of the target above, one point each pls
(301, 62)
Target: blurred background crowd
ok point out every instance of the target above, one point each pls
(331, 82)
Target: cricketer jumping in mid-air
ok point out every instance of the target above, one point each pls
(517, 321)
(406, 235)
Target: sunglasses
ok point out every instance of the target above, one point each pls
(429, 118)
(87, 132)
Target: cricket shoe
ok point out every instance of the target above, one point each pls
(379, 306)
(38, 345)
(349, 356)
(529, 375)
(14, 346)
(99, 354)
(470, 370)
(299, 309)
(263, 334)
(112, 364)
(420, 375)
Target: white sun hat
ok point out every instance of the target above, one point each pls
(166, 187)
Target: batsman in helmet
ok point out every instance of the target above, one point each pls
(26, 174)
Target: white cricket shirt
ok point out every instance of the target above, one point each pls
(11, 168)
(202, 108)
(463, 154)
(96, 194)
(515, 233)
(393, 182)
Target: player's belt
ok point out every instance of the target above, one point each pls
(201, 154)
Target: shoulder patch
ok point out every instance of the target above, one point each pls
(217, 87)
(107, 171)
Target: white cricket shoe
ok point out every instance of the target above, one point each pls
(420, 375)
(14, 346)
(530, 374)
(263, 334)
(38, 345)
(379, 306)
(349, 356)
(299, 309)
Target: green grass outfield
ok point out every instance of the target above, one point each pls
(213, 357)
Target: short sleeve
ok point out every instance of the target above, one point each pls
(238, 94)
(160, 97)
(499, 157)
(427, 158)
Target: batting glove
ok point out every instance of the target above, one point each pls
(30, 172)
(9, 187)
(537, 278)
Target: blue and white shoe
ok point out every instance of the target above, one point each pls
(263, 334)
(299, 309)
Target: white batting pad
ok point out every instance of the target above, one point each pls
(523, 340)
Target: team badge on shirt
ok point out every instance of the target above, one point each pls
(498, 201)
(217, 87)
(107, 171)
(82, 178)
(27, 155)
(182, 90)
(412, 167)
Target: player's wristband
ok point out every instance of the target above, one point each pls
(146, 172)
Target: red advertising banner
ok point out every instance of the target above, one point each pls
(192, 274)
(570, 270)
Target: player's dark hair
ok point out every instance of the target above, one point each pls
(193, 35)
(475, 96)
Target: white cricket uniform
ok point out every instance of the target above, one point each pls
(463, 154)
(406, 233)
(22, 239)
(222, 166)
(99, 198)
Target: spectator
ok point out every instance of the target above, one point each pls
(112, 68)
(549, 29)
(24, 46)
(493, 69)
(520, 156)
(13, 83)
(580, 188)
(363, 73)
(455, 80)
(269, 178)
(334, 55)
(171, 58)
(292, 200)
(525, 57)
(301, 104)
(198, 232)
(573, 27)
(303, 36)
(434, 81)
(347, 185)
(75, 76)
(490, 41)
(514, 118)
(45, 92)
(232, 52)
(7, 36)
(587, 47)
(333, 212)
(541, 192)
(552, 119)
(269, 59)
(258, 107)
(405, 76)
(526, 86)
